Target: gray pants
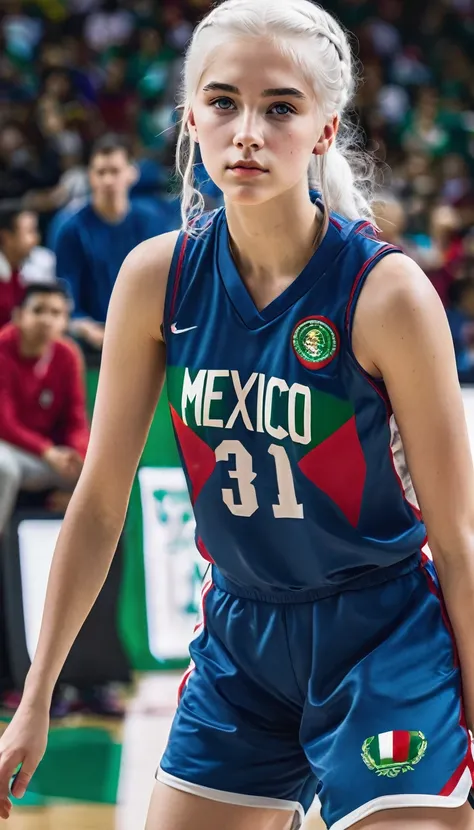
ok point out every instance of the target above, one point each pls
(20, 470)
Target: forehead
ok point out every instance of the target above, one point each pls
(252, 65)
(25, 220)
(38, 301)
(117, 158)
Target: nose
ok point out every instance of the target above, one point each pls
(248, 133)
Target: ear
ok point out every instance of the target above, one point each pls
(16, 314)
(192, 129)
(134, 174)
(328, 137)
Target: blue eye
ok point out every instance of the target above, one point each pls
(222, 104)
(287, 110)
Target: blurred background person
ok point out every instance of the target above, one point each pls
(70, 73)
(391, 219)
(22, 260)
(44, 428)
(94, 241)
(461, 321)
(44, 433)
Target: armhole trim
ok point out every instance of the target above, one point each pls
(177, 276)
(376, 383)
(364, 271)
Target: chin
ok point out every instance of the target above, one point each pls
(247, 196)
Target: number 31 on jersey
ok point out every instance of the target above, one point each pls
(287, 506)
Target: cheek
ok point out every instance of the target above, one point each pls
(294, 138)
(212, 159)
(215, 137)
(213, 129)
(296, 148)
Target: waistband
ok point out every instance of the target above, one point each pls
(375, 577)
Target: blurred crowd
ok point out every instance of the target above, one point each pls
(74, 70)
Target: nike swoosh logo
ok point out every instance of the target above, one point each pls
(175, 330)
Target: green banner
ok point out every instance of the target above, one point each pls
(160, 451)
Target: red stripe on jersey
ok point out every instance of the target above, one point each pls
(184, 679)
(383, 250)
(177, 278)
(451, 785)
(203, 550)
(199, 458)
(468, 760)
(436, 591)
(401, 746)
(337, 466)
(371, 227)
(197, 630)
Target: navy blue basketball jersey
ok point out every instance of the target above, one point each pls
(292, 455)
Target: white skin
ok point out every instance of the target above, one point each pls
(400, 334)
(280, 134)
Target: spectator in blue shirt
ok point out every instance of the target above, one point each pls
(93, 243)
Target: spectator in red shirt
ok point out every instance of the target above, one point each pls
(21, 260)
(43, 424)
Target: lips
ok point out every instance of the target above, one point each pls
(248, 165)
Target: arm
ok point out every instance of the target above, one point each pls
(75, 432)
(131, 378)
(70, 264)
(401, 333)
(11, 428)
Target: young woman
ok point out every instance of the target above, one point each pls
(305, 362)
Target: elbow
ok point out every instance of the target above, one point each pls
(99, 505)
(455, 549)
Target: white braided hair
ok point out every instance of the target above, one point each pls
(317, 44)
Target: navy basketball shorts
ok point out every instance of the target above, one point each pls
(355, 698)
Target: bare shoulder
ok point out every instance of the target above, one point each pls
(154, 255)
(396, 284)
(141, 283)
(397, 297)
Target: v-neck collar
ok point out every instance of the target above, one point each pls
(324, 255)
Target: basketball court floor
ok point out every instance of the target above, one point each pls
(144, 737)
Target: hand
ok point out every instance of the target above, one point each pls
(92, 332)
(64, 461)
(75, 462)
(23, 742)
(58, 501)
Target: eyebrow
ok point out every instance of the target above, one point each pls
(289, 92)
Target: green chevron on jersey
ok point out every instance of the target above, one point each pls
(223, 398)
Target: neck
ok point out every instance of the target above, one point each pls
(13, 261)
(111, 211)
(275, 239)
(30, 350)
